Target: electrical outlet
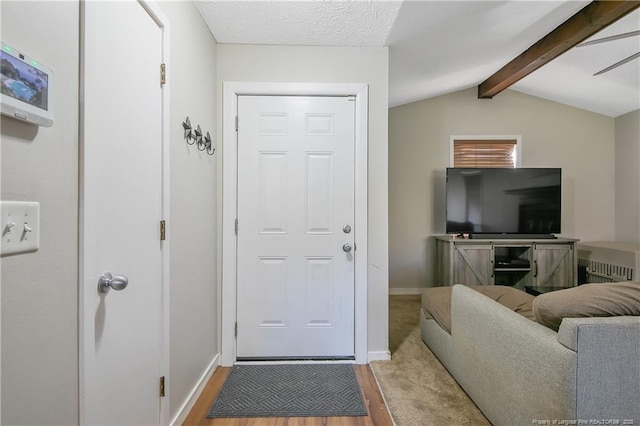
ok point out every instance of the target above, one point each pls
(20, 222)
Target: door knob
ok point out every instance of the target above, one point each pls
(346, 247)
(107, 282)
(346, 229)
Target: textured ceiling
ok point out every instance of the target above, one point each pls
(438, 47)
(307, 23)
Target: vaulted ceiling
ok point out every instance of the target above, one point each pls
(438, 47)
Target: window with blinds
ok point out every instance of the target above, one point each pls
(484, 153)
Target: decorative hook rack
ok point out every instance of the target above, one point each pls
(195, 136)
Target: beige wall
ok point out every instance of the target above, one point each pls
(627, 194)
(336, 65)
(553, 135)
(39, 290)
(192, 226)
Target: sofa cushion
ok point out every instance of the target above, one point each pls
(436, 302)
(587, 300)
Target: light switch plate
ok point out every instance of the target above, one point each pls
(20, 222)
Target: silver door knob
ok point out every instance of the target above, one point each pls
(107, 282)
(346, 229)
(346, 247)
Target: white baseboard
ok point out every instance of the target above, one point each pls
(379, 356)
(184, 411)
(405, 291)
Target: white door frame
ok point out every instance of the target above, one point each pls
(227, 304)
(163, 22)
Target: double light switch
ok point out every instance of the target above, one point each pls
(20, 226)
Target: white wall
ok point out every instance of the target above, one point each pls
(628, 177)
(553, 135)
(192, 226)
(39, 290)
(249, 63)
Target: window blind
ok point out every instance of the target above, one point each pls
(484, 153)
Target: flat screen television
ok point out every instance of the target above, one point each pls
(523, 201)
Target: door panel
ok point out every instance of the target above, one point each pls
(473, 265)
(122, 208)
(554, 265)
(295, 194)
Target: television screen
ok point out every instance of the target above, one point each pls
(511, 201)
(23, 82)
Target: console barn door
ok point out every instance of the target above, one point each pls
(296, 227)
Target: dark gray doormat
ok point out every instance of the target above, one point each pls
(290, 390)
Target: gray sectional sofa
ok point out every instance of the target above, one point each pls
(520, 372)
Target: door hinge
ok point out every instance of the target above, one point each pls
(236, 329)
(236, 226)
(163, 73)
(162, 386)
(236, 123)
(163, 230)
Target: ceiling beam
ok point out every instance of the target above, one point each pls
(585, 23)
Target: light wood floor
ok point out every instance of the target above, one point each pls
(378, 414)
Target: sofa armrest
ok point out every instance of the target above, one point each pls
(513, 368)
(608, 369)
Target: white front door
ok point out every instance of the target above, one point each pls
(295, 279)
(122, 206)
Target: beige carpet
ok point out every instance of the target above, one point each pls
(417, 388)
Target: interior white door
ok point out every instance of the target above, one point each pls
(121, 212)
(295, 288)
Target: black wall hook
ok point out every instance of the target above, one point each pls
(195, 136)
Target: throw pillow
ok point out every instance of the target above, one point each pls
(587, 300)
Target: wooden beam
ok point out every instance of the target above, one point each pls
(585, 23)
